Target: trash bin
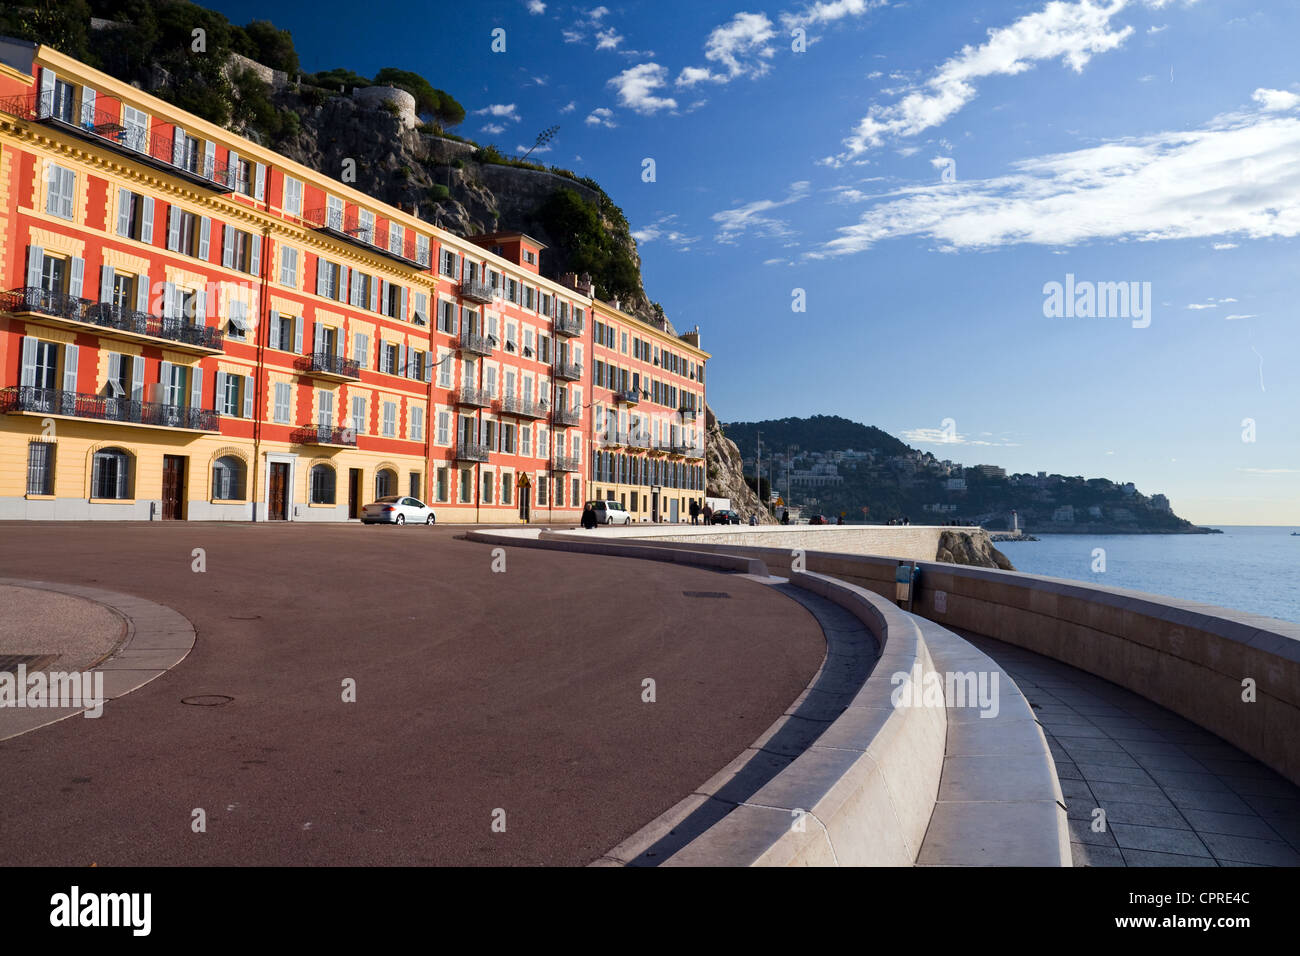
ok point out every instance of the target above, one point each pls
(906, 580)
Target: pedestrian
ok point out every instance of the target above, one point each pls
(589, 517)
(695, 511)
(753, 520)
(707, 514)
(840, 520)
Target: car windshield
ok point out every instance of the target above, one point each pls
(387, 501)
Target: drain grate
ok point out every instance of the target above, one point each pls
(207, 700)
(33, 662)
(707, 594)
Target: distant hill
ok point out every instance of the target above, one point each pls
(818, 433)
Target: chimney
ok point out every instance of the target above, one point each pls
(584, 284)
(569, 280)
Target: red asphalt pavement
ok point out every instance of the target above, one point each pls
(475, 691)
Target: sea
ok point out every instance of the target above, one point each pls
(1247, 568)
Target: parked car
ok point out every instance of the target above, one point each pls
(397, 509)
(611, 512)
(819, 519)
(724, 516)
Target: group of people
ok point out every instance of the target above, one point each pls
(697, 512)
(906, 521)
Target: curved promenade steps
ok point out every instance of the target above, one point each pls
(883, 760)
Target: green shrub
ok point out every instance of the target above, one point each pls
(438, 192)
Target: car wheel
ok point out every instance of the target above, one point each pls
(400, 519)
(431, 518)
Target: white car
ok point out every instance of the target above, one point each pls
(611, 512)
(397, 509)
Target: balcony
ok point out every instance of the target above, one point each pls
(568, 328)
(471, 451)
(522, 407)
(50, 401)
(377, 237)
(324, 435)
(567, 371)
(477, 397)
(328, 365)
(476, 291)
(567, 417)
(629, 396)
(565, 463)
(639, 441)
(103, 128)
(474, 343)
(128, 325)
(688, 414)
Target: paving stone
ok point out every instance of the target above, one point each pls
(1087, 855)
(1189, 781)
(1246, 850)
(1170, 762)
(1231, 824)
(1143, 814)
(1126, 793)
(1150, 858)
(1207, 800)
(1081, 832)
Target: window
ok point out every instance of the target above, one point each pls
(444, 373)
(441, 487)
(137, 129)
(292, 196)
(422, 250)
(244, 177)
(541, 492)
(576, 495)
(334, 213)
(390, 302)
(111, 474)
(530, 257)
(444, 424)
(396, 238)
(228, 479)
(507, 487)
(63, 187)
(390, 421)
(361, 349)
(447, 316)
(385, 483)
(328, 278)
(417, 424)
(388, 355)
(420, 314)
(283, 398)
(366, 226)
(525, 439)
(123, 294)
(466, 485)
(183, 231)
(358, 414)
(508, 438)
(134, 216)
(186, 152)
(40, 468)
(322, 485)
(58, 101)
(448, 263)
(237, 321)
(229, 400)
(289, 267)
(241, 250)
(416, 490)
(487, 487)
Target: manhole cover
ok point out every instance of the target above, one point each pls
(207, 700)
(707, 594)
(33, 662)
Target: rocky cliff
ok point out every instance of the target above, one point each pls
(971, 547)
(726, 478)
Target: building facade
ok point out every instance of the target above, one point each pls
(195, 327)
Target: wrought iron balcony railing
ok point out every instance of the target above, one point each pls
(567, 371)
(687, 413)
(324, 435)
(106, 315)
(158, 150)
(628, 396)
(568, 327)
(329, 363)
(471, 451)
(372, 235)
(50, 401)
(478, 397)
(522, 407)
(565, 463)
(474, 343)
(567, 417)
(477, 291)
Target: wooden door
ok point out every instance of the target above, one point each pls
(277, 493)
(354, 492)
(173, 487)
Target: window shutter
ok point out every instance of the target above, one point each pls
(169, 299)
(318, 339)
(35, 262)
(28, 378)
(344, 273)
(401, 362)
(142, 293)
(137, 379)
(122, 476)
(174, 229)
(210, 159)
(47, 92)
(106, 277)
(146, 226)
(114, 368)
(201, 308)
(232, 169)
(165, 376)
(248, 396)
(219, 393)
(124, 212)
(205, 237)
(259, 192)
(374, 296)
(428, 366)
(320, 277)
(227, 247)
(297, 334)
(255, 257)
(275, 331)
(178, 145)
(196, 387)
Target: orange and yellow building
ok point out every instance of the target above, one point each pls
(193, 326)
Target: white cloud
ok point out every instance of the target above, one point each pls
(937, 436)
(1071, 32)
(492, 128)
(1277, 100)
(1238, 175)
(750, 217)
(601, 116)
(597, 12)
(828, 11)
(739, 48)
(636, 86)
(1152, 31)
(608, 39)
(571, 35)
(1270, 471)
(505, 111)
(536, 7)
(1198, 306)
(572, 105)
(1228, 300)
(533, 149)
(1221, 246)
(662, 230)
(1234, 317)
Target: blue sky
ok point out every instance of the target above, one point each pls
(922, 170)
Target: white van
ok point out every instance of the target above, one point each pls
(611, 512)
